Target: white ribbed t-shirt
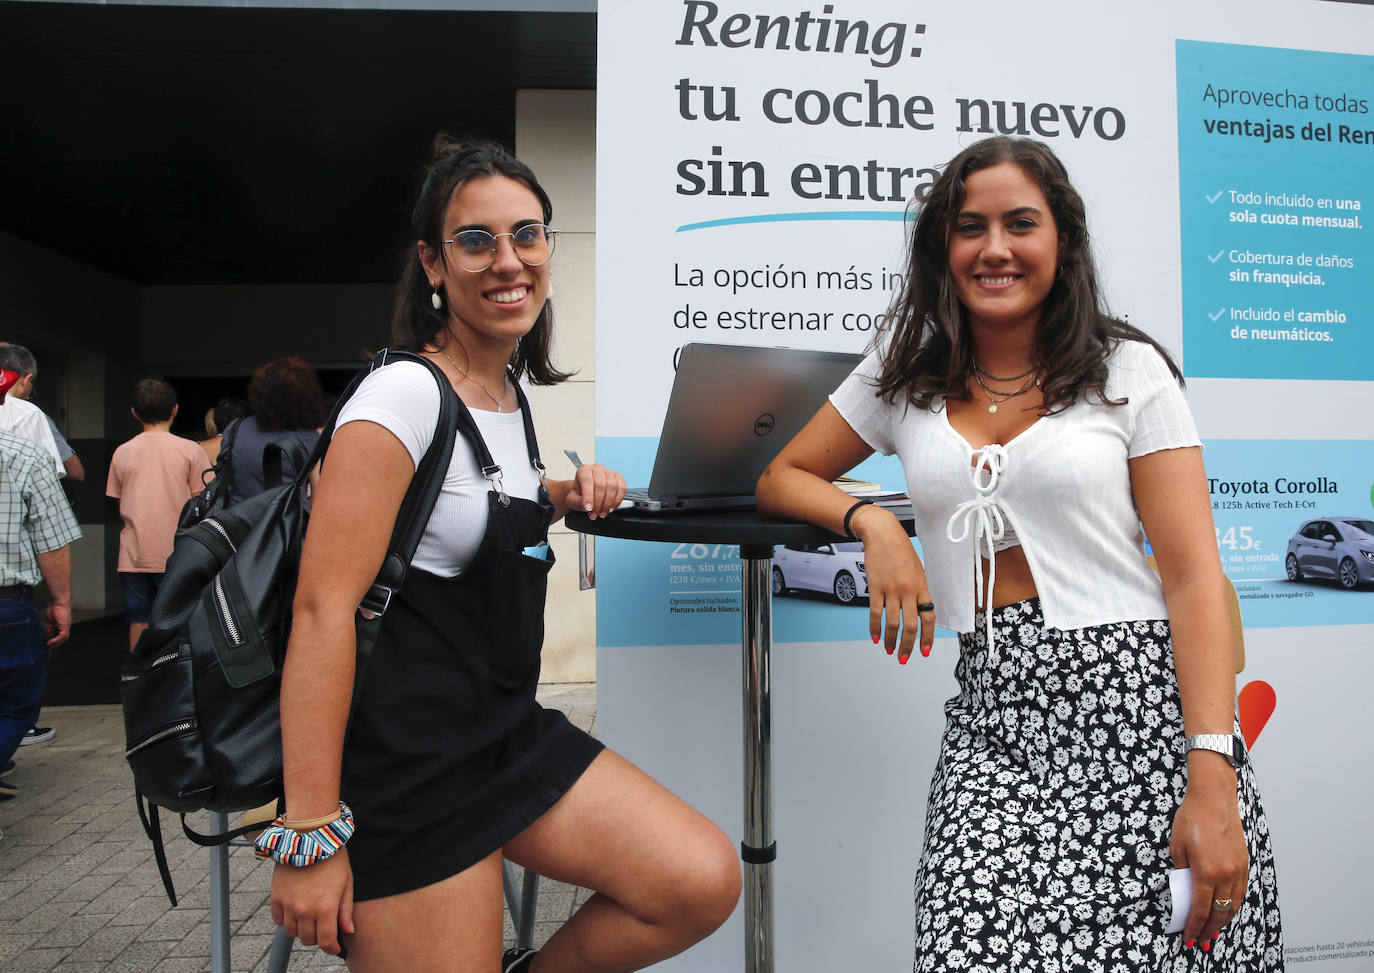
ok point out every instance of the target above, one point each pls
(1064, 484)
(404, 398)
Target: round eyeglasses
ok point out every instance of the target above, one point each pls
(476, 249)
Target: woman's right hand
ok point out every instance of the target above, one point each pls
(896, 583)
(315, 904)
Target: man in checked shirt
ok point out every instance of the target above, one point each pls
(36, 531)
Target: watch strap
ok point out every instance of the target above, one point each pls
(1229, 745)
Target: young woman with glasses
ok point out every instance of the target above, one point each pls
(1091, 747)
(449, 763)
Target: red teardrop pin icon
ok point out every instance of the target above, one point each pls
(1256, 702)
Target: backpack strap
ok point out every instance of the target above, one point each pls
(420, 496)
(416, 507)
(280, 455)
(224, 461)
(152, 827)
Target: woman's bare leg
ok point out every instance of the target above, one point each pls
(665, 877)
(453, 926)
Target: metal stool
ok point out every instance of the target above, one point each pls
(280, 954)
(522, 906)
(521, 899)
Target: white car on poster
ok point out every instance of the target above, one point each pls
(836, 568)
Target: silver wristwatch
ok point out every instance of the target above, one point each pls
(1228, 745)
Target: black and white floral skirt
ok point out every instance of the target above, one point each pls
(1051, 808)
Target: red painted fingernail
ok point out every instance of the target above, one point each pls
(875, 641)
(925, 651)
(1190, 944)
(891, 650)
(903, 659)
(1217, 936)
(1206, 946)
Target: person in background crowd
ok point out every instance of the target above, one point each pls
(217, 419)
(152, 476)
(36, 530)
(21, 417)
(449, 762)
(288, 404)
(20, 359)
(1094, 739)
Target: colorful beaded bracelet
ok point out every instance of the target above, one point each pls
(301, 848)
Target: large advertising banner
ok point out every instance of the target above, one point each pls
(756, 172)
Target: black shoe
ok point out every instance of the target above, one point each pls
(7, 789)
(516, 960)
(37, 734)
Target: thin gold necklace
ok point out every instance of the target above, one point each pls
(505, 381)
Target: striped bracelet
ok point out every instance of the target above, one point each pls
(300, 848)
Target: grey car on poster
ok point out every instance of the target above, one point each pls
(836, 569)
(1341, 548)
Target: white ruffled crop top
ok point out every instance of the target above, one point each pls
(1064, 483)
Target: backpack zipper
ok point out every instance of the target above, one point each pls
(160, 735)
(223, 532)
(221, 600)
(222, 603)
(161, 660)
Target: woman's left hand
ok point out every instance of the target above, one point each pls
(1209, 838)
(595, 490)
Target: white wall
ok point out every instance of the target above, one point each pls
(555, 134)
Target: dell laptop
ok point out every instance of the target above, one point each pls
(732, 409)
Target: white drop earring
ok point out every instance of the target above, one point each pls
(435, 299)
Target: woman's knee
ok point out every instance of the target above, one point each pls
(708, 886)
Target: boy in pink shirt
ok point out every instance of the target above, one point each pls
(152, 476)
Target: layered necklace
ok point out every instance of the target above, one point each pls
(505, 381)
(993, 394)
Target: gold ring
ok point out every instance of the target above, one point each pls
(1221, 905)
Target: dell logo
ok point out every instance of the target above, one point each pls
(763, 425)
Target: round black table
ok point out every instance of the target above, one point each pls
(756, 536)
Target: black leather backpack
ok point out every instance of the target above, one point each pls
(200, 689)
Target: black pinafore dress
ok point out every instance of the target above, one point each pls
(448, 754)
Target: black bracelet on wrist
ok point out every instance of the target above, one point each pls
(849, 515)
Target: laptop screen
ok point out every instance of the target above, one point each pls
(732, 409)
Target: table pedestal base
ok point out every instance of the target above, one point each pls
(758, 849)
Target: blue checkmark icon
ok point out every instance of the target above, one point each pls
(1215, 196)
(1216, 316)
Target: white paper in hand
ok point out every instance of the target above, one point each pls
(1181, 892)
